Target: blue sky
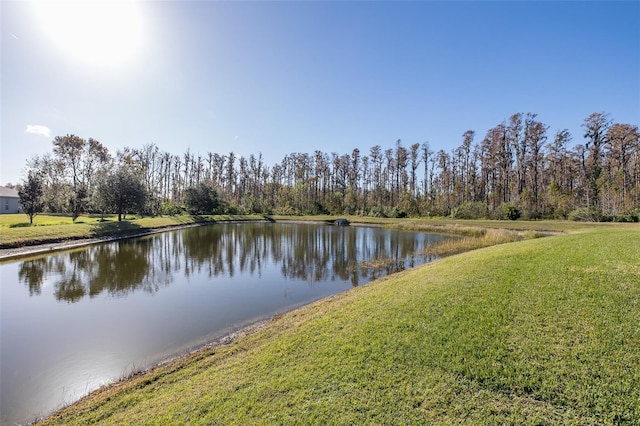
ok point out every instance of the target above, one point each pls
(282, 77)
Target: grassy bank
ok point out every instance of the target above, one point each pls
(457, 226)
(15, 230)
(541, 331)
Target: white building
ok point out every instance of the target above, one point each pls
(9, 201)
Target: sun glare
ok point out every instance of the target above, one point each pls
(93, 32)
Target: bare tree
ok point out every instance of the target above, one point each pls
(621, 144)
(534, 136)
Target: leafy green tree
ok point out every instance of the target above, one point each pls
(78, 201)
(69, 150)
(201, 199)
(122, 192)
(31, 195)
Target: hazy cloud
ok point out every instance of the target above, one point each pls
(38, 130)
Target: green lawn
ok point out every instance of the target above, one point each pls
(540, 331)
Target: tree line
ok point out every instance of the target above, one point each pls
(517, 170)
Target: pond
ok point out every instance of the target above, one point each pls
(75, 320)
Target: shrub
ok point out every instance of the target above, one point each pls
(377, 211)
(202, 199)
(585, 214)
(318, 209)
(286, 211)
(630, 216)
(470, 210)
(512, 212)
(171, 209)
(397, 213)
(232, 209)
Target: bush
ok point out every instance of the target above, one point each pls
(470, 210)
(377, 211)
(202, 199)
(286, 211)
(585, 214)
(634, 215)
(231, 209)
(318, 209)
(630, 216)
(397, 213)
(171, 209)
(512, 213)
(380, 211)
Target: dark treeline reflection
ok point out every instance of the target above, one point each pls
(116, 268)
(312, 253)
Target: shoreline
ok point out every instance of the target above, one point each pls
(51, 247)
(14, 253)
(226, 339)
(192, 352)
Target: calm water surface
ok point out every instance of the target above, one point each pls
(73, 321)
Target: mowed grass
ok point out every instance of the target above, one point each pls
(540, 331)
(15, 230)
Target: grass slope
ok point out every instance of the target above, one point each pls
(543, 331)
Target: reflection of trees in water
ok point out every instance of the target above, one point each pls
(32, 274)
(306, 252)
(116, 268)
(302, 252)
(311, 253)
(131, 265)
